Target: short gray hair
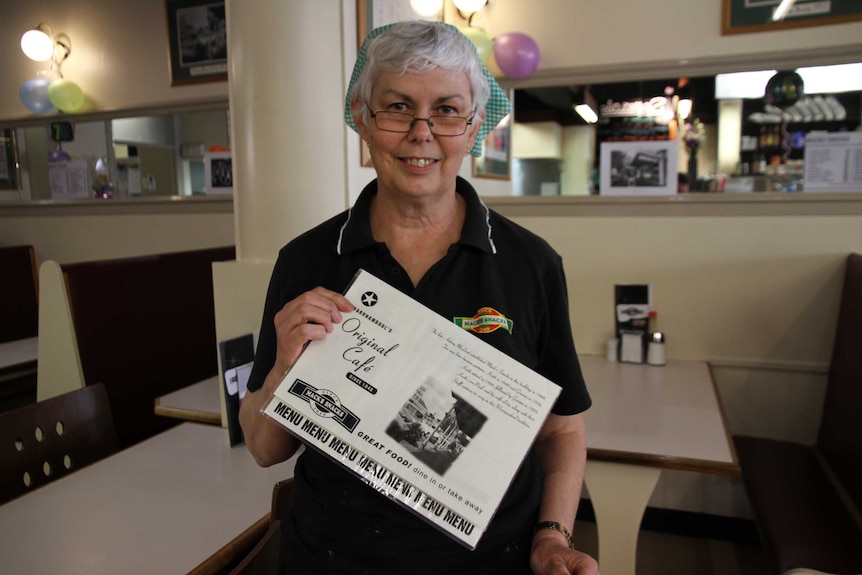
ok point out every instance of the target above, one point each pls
(420, 47)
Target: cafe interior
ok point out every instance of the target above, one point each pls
(707, 172)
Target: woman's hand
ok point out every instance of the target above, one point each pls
(310, 316)
(551, 555)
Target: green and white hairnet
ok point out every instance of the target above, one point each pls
(497, 107)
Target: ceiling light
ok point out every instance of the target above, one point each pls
(588, 114)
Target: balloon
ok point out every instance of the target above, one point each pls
(483, 43)
(34, 95)
(58, 156)
(517, 54)
(784, 89)
(492, 66)
(66, 95)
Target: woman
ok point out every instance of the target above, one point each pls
(418, 97)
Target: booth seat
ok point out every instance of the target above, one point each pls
(19, 304)
(143, 326)
(807, 499)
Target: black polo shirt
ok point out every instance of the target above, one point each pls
(500, 281)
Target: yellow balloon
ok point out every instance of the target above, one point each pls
(492, 66)
(66, 95)
(482, 42)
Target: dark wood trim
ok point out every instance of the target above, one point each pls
(665, 462)
(188, 414)
(232, 550)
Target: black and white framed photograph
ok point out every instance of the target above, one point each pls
(197, 41)
(639, 168)
(218, 173)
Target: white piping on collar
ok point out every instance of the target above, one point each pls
(341, 232)
(488, 224)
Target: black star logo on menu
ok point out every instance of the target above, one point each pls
(369, 299)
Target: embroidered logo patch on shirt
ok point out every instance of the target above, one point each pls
(486, 320)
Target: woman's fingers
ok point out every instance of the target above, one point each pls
(310, 316)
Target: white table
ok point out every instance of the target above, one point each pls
(200, 402)
(180, 502)
(18, 353)
(18, 367)
(645, 418)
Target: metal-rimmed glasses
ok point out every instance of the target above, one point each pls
(402, 122)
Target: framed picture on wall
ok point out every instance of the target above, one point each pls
(741, 16)
(8, 160)
(218, 173)
(496, 159)
(197, 41)
(638, 168)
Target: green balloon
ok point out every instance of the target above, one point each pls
(66, 95)
(483, 43)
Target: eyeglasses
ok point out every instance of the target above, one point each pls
(402, 122)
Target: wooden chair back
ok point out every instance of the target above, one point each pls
(266, 557)
(19, 293)
(145, 326)
(840, 437)
(44, 441)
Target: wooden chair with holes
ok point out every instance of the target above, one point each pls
(44, 441)
(266, 557)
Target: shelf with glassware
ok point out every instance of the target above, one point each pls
(772, 144)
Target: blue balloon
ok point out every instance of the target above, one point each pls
(34, 95)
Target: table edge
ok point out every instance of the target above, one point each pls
(186, 414)
(232, 549)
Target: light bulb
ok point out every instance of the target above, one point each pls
(470, 6)
(37, 45)
(587, 113)
(426, 8)
(683, 108)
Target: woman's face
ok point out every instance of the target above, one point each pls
(419, 164)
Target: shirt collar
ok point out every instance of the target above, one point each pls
(356, 231)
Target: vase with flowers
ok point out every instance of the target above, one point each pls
(693, 134)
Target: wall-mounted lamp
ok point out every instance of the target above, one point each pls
(427, 8)
(49, 89)
(40, 44)
(469, 6)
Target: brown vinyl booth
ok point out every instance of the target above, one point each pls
(807, 499)
(145, 326)
(19, 293)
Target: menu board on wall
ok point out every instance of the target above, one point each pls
(833, 162)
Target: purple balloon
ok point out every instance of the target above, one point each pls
(34, 95)
(516, 54)
(58, 156)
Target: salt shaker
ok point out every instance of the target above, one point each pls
(656, 350)
(612, 349)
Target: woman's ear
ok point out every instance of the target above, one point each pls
(357, 110)
(474, 129)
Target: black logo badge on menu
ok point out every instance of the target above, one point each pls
(325, 404)
(369, 299)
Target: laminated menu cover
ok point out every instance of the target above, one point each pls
(422, 410)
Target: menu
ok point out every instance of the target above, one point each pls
(833, 161)
(422, 410)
